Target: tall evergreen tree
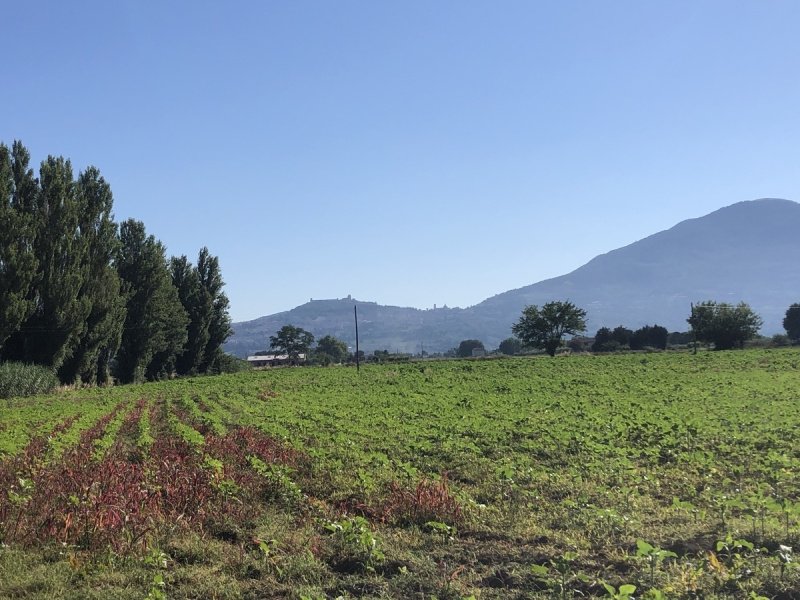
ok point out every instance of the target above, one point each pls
(18, 264)
(101, 336)
(155, 323)
(198, 305)
(59, 317)
(219, 329)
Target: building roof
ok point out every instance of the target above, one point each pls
(268, 357)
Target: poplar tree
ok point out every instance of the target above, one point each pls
(59, 316)
(198, 305)
(155, 324)
(219, 329)
(102, 333)
(18, 264)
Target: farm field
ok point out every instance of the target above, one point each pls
(578, 476)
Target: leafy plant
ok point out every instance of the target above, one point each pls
(653, 556)
(560, 573)
(356, 540)
(447, 532)
(731, 546)
(625, 591)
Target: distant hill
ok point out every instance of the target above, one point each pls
(748, 251)
(393, 328)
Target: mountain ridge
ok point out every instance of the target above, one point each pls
(747, 251)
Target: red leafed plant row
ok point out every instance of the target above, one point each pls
(150, 479)
(118, 500)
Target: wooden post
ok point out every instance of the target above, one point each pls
(358, 360)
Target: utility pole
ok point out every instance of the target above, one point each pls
(694, 331)
(358, 359)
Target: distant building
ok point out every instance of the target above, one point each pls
(275, 360)
(478, 352)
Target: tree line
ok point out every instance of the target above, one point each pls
(718, 324)
(90, 298)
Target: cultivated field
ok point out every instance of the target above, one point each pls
(514, 478)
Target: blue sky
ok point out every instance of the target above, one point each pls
(411, 153)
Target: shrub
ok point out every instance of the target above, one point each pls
(226, 363)
(18, 379)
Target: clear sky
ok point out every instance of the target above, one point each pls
(409, 152)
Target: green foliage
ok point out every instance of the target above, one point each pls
(354, 540)
(96, 344)
(200, 293)
(649, 336)
(445, 531)
(59, 316)
(18, 264)
(466, 347)
(330, 350)
(724, 325)
(510, 346)
(18, 379)
(219, 325)
(679, 338)
(560, 574)
(544, 328)
(280, 486)
(625, 591)
(604, 341)
(227, 363)
(791, 322)
(198, 306)
(653, 556)
(155, 324)
(622, 335)
(291, 340)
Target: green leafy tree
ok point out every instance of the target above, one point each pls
(331, 350)
(155, 324)
(649, 336)
(292, 341)
(791, 322)
(724, 325)
(607, 340)
(18, 263)
(604, 341)
(545, 327)
(466, 347)
(622, 335)
(58, 321)
(99, 340)
(510, 346)
(679, 338)
(219, 326)
(198, 306)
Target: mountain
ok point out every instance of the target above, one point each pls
(749, 251)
